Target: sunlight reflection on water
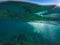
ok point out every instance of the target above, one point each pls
(48, 31)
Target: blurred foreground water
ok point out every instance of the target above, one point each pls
(17, 32)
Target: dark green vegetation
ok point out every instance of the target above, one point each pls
(15, 31)
(26, 11)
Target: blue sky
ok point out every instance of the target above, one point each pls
(40, 1)
(45, 1)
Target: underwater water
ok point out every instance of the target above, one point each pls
(26, 25)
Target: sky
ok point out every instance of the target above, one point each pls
(45, 1)
(40, 1)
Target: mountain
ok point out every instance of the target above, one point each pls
(30, 12)
(24, 8)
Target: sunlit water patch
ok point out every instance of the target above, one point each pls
(48, 31)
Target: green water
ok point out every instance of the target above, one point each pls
(21, 25)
